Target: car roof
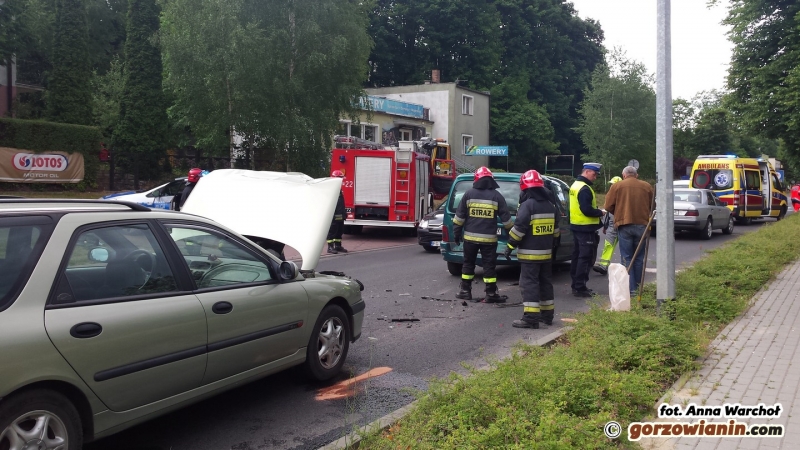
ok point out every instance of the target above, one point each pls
(501, 176)
(67, 205)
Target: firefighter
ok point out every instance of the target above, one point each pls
(476, 222)
(191, 181)
(533, 236)
(337, 224)
(610, 231)
(584, 221)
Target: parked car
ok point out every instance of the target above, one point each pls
(429, 230)
(700, 211)
(509, 186)
(112, 314)
(159, 197)
(680, 184)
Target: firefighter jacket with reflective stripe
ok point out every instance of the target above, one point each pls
(583, 213)
(338, 213)
(478, 213)
(534, 230)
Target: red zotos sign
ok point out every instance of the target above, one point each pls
(47, 162)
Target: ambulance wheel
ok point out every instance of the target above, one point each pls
(729, 228)
(782, 213)
(745, 221)
(454, 269)
(707, 231)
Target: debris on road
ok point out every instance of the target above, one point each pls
(406, 319)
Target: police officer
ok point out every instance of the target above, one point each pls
(337, 224)
(533, 235)
(191, 181)
(476, 222)
(584, 221)
(610, 231)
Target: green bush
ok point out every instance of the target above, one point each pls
(40, 136)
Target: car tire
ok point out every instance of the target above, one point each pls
(454, 269)
(28, 409)
(430, 248)
(729, 228)
(708, 230)
(329, 344)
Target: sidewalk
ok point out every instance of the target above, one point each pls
(755, 359)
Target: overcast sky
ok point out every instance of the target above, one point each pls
(700, 49)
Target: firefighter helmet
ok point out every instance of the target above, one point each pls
(337, 173)
(530, 179)
(194, 175)
(482, 172)
(614, 180)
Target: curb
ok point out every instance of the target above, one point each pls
(353, 440)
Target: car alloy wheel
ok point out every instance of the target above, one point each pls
(329, 343)
(729, 228)
(40, 420)
(708, 230)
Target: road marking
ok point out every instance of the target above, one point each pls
(350, 387)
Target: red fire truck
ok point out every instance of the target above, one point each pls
(383, 186)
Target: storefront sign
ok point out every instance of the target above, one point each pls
(396, 107)
(481, 150)
(24, 166)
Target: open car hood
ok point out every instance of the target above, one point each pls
(291, 208)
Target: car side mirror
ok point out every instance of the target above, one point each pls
(288, 271)
(98, 254)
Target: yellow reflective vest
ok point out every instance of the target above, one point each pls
(576, 216)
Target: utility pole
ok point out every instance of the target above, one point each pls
(665, 276)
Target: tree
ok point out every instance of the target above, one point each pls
(764, 74)
(139, 137)
(279, 74)
(619, 117)
(68, 96)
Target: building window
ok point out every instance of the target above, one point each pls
(466, 105)
(405, 135)
(368, 132)
(466, 141)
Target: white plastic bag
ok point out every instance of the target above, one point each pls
(618, 288)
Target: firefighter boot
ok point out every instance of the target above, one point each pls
(338, 247)
(547, 316)
(491, 294)
(465, 292)
(331, 248)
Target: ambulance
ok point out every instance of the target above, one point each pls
(750, 187)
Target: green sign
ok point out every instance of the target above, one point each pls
(486, 150)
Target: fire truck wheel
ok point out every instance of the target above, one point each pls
(454, 269)
(353, 229)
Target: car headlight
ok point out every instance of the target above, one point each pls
(423, 223)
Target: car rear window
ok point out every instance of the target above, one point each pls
(509, 189)
(22, 240)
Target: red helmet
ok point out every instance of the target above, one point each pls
(531, 179)
(337, 173)
(194, 175)
(482, 172)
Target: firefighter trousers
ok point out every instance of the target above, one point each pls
(335, 232)
(536, 283)
(488, 258)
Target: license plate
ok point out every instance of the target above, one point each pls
(435, 243)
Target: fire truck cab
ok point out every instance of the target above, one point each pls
(442, 166)
(383, 186)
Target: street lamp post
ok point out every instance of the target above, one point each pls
(665, 276)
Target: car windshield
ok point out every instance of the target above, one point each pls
(509, 189)
(688, 195)
(712, 179)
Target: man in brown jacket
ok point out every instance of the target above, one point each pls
(631, 203)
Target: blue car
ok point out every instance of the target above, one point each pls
(157, 198)
(509, 187)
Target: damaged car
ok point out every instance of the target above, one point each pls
(112, 314)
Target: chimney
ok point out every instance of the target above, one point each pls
(435, 76)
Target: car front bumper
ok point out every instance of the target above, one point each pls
(425, 236)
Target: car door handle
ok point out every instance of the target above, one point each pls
(85, 330)
(222, 308)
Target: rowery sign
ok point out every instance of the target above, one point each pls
(21, 166)
(481, 150)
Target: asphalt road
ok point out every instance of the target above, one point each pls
(432, 334)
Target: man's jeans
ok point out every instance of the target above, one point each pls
(629, 237)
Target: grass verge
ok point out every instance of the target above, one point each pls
(610, 366)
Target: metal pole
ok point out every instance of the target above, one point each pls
(665, 276)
